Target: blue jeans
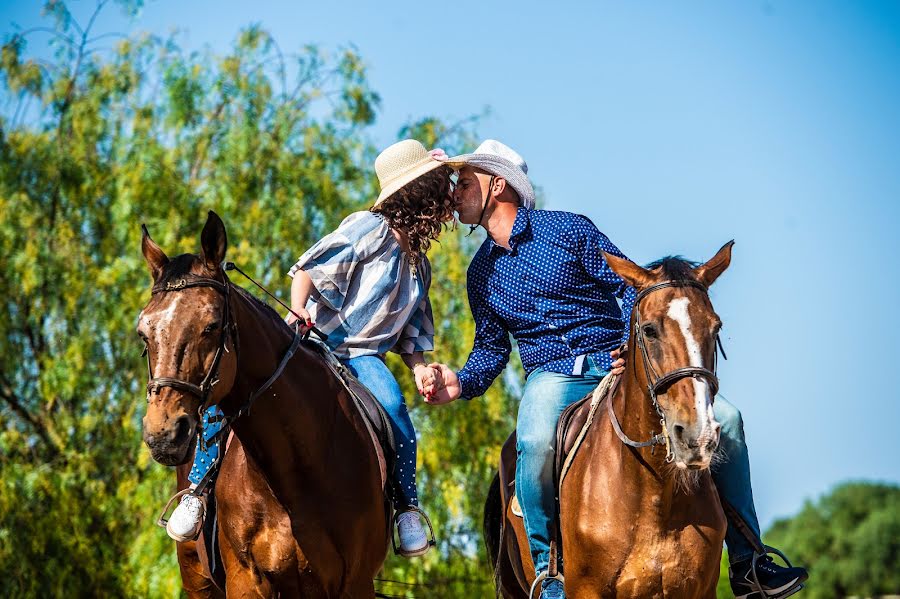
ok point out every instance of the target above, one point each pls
(375, 375)
(545, 397)
(732, 478)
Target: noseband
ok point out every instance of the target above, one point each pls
(205, 387)
(657, 384)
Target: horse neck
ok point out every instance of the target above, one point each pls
(289, 403)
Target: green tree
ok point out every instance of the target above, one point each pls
(849, 539)
(94, 142)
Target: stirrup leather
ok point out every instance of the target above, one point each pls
(763, 595)
(395, 534)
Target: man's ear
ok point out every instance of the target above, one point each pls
(636, 276)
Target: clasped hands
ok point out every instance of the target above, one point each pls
(439, 384)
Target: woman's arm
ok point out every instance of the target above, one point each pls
(301, 288)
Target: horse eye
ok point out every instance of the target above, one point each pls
(211, 328)
(649, 331)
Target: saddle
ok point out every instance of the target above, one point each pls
(571, 429)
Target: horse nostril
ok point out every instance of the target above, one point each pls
(679, 432)
(182, 429)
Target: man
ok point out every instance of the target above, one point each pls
(540, 277)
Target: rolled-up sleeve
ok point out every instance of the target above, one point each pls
(330, 262)
(418, 334)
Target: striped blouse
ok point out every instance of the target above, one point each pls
(366, 297)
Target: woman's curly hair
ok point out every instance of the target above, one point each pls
(420, 209)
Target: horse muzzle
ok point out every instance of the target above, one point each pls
(169, 443)
(694, 447)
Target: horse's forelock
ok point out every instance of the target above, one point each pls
(675, 268)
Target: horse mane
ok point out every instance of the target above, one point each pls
(675, 268)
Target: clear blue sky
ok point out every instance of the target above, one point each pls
(677, 126)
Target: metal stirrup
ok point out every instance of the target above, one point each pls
(541, 578)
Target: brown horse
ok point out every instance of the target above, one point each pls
(301, 504)
(637, 520)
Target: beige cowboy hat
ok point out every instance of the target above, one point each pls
(500, 160)
(402, 163)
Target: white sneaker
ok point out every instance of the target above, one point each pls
(413, 540)
(186, 520)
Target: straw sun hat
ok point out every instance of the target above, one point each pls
(402, 163)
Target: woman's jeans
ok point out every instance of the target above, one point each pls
(375, 375)
(545, 396)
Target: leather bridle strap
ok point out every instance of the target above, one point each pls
(203, 390)
(655, 382)
(658, 439)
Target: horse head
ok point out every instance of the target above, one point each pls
(189, 338)
(674, 334)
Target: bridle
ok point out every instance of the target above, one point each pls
(204, 389)
(657, 384)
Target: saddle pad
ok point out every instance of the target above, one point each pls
(574, 423)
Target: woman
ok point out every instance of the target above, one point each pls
(366, 285)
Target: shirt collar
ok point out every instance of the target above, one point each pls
(520, 226)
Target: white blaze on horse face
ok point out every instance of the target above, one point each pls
(678, 311)
(161, 321)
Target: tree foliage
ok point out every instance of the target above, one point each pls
(849, 540)
(94, 142)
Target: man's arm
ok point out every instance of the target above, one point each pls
(490, 353)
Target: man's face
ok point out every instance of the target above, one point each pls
(471, 186)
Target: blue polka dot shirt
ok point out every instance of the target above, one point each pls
(552, 291)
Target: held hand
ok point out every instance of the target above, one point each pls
(426, 379)
(618, 364)
(304, 315)
(448, 390)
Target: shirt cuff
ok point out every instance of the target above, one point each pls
(466, 382)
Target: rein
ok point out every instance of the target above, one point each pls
(657, 384)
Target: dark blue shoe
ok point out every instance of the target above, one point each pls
(553, 589)
(776, 581)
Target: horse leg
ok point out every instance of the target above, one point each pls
(194, 582)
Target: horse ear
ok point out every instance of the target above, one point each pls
(153, 254)
(630, 272)
(213, 241)
(709, 272)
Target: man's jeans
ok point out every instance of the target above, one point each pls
(545, 397)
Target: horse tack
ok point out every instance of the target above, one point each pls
(203, 390)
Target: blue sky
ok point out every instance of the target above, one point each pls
(677, 126)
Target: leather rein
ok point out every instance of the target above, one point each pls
(204, 389)
(657, 384)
